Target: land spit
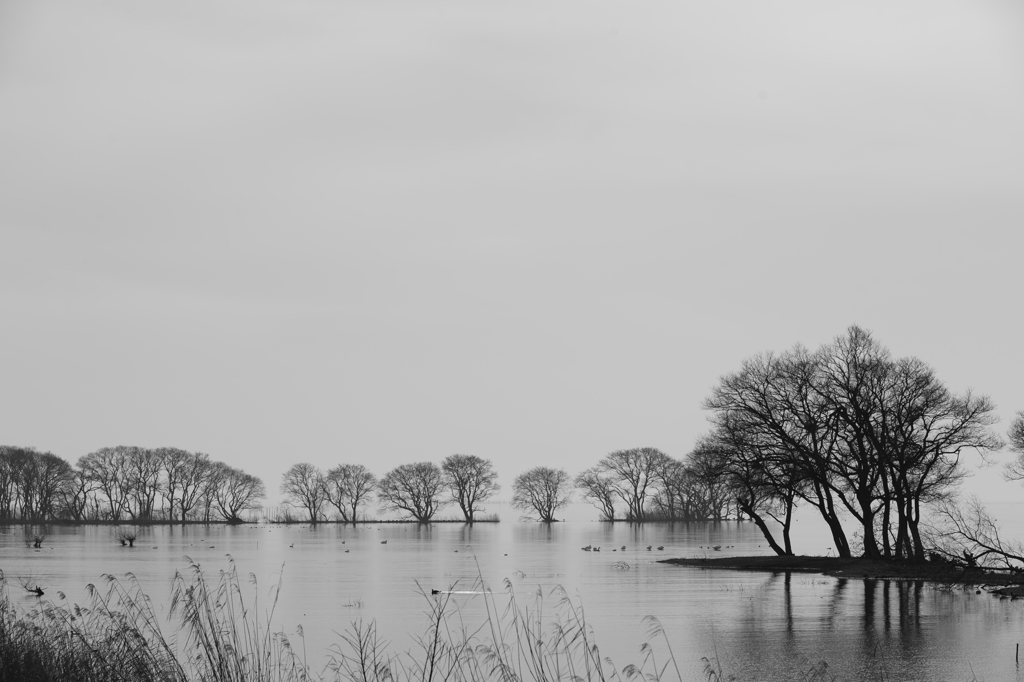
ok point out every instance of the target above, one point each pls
(996, 582)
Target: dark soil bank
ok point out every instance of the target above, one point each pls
(1010, 585)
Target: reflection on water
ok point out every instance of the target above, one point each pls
(762, 626)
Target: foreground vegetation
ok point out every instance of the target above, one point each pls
(221, 636)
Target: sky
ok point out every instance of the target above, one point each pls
(328, 231)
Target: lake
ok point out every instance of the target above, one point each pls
(761, 626)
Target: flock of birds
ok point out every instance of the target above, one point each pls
(591, 548)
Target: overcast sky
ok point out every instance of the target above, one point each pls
(389, 231)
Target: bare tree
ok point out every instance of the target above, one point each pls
(542, 490)
(304, 486)
(174, 463)
(1015, 470)
(676, 495)
(635, 474)
(470, 480)
(144, 471)
(349, 486)
(192, 477)
(599, 490)
(233, 491)
(966, 533)
(706, 491)
(73, 497)
(30, 483)
(849, 428)
(414, 489)
(107, 470)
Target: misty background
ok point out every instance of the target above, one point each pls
(536, 232)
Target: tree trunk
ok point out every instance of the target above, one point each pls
(868, 525)
(759, 522)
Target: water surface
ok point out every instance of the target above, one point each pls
(761, 626)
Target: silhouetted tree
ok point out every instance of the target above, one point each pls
(1015, 470)
(470, 480)
(106, 470)
(305, 487)
(542, 490)
(965, 533)
(634, 474)
(848, 428)
(599, 490)
(349, 486)
(233, 491)
(413, 488)
(144, 470)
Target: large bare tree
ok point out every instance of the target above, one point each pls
(348, 487)
(543, 491)
(849, 428)
(599, 490)
(232, 491)
(413, 488)
(304, 486)
(635, 474)
(107, 471)
(470, 480)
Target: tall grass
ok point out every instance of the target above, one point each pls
(220, 635)
(116, 638)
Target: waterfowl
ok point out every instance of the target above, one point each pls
(587, 548)
(661, 546)
(716, 547)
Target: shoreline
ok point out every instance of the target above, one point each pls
(1004, 584)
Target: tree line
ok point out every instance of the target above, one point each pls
(644, 483)
(140, 485)
(847, 429)
(124, 483)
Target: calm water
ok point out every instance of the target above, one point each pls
(761, 625)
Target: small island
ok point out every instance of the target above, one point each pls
(946, 573)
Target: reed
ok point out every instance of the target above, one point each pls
(221, 635)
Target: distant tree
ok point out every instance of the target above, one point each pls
(470, 480)
(599, 490)
(304, 486)
(674, 496)
(144, 470)
(349, 486)
(542, 490)
(172, 461)
(1015, 469)
(232, 491)
(51, 474)
(413, 488)
(30, 483)
(195, 469)
(635, 473)
(106, 470)
(184, 474)
(73, 497)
